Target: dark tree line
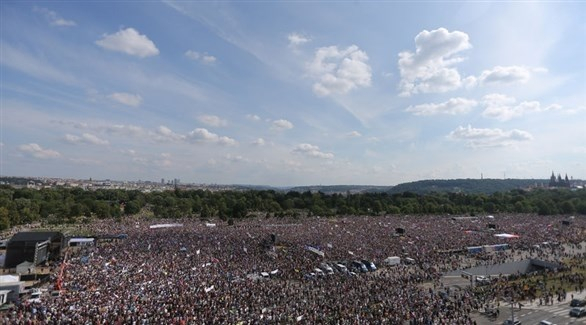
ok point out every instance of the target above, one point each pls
(65, 205)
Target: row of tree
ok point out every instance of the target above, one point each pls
(59, 205)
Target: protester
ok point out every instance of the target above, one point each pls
(196, 273)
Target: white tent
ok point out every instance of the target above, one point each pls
(166, 225)
(9, 278)
(80, 241)
(506, 236)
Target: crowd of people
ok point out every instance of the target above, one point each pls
(198, 272)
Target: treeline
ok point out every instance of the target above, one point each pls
(64, 205)
(475, 186)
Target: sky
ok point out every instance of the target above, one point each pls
(287, 93)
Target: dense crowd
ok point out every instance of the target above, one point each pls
(203, 273)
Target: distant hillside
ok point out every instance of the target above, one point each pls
(475, 186)
(341, 189)
(472, 186)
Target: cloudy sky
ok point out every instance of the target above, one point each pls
(292, 93)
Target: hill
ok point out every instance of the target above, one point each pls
(470, 186)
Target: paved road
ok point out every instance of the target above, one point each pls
(533, 313)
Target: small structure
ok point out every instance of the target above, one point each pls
(11, 286)
(392, 260)
(4, 296)
(25, 267)
(37, 247)
(81, 241)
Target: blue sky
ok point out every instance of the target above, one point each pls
(292, 93)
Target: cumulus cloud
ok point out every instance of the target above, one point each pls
(127, 99)
(453, 106)
(53, 18)
(282, 125)
(296, 39)
(129, 41)
(259, 142)
(479, 138)
(85, 138)
(507, 75)
(212, 120)
(312, 151)
(201, 57)
(504, 108)
(203, 135)
(430, 68)
(37, 151)
(339, 70)
(253, 117)
(131, 130)
(163, 133)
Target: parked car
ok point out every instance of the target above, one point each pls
(327, 269)
(512, 322)
(359, 266)
(578, 312)
(578, 303)
(369, 265)
(341, 267)
(482, 280)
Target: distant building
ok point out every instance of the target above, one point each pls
(559, 181)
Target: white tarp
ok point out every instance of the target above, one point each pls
(81, 240)
(166, 225)
(506, 236)
(392, 260)
(314, 250)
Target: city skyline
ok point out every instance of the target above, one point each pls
(292, 93)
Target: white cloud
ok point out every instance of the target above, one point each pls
(53, 18)
(124, 129)
(296, 39)
(429, 69)
(507, 75)
(504, 108)
(339, 71)
(163, 133)
(354, 134)
(132, 100)
(282, 125)
(454, 106)
(253, 117)
(37, 151)
(478, 138)
(203, 135)
(259, 142)
(235, 158)
(212, 120)
(129, 41)
(312, 151)
(25, 62)
(85, 138)
(204, 58)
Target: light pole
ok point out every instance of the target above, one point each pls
(512, 308)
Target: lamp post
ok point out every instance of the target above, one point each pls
(512, 308)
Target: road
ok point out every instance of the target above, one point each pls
(533, 313)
